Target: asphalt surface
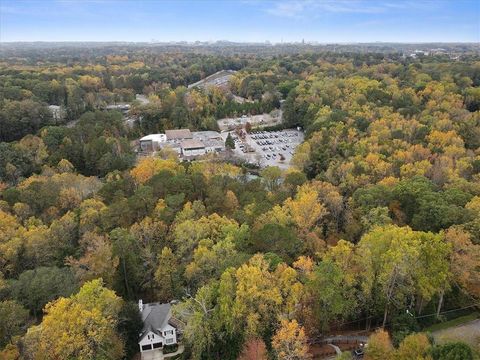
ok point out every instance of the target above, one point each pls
(273, 148)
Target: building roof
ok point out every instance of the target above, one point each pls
(214, 143)
(172, 145)
(192, 144)
(206, 135)
(154, 137)
(155, 316)
(178, 134)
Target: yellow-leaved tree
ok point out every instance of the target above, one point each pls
(150, 166)
(80, 327)
(290, 342)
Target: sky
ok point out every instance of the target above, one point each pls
(323, 21)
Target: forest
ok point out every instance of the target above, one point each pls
(374, 228)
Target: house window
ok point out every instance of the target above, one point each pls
(168, 332)
(168, 341)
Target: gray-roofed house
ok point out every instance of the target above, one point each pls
(159, 328)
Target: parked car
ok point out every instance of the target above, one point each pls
(358, 353)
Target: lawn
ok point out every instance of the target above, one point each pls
(455, 322)
(465, 329)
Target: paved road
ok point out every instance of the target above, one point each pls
(342, 339)
(336, 348)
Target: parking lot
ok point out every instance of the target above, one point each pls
(268, 148)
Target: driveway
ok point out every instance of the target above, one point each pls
(156, 354)
(159, 355)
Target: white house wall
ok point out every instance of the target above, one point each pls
(154, 338)
(173, 336)
(151, 338)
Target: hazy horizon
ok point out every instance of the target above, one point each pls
(247, 21)
(267, 42)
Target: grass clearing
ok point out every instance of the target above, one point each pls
(455, 322)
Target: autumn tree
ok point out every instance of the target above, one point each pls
(399, 262)
(166, 277)
(464, 261)
(82, 326)
(290, 342)
(98, 259)
(379, 347)
(414, 346)
(148, 167)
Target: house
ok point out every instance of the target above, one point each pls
(152, 142)
(159, 328)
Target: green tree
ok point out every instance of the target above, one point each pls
(278, 239)
(229, 143)
(124, 247)
(13, 320)
(129, 325)
(452, 351)
(272, 176)
(166, 277)
(35, 288)
(330, 294)
(198, 314)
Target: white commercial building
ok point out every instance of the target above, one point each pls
(152, 142)
(186, 143)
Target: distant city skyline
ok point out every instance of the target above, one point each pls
(322, 21)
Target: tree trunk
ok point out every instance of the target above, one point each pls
(420, 306)
(125, 277)
(440, 303)
(385, 316)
